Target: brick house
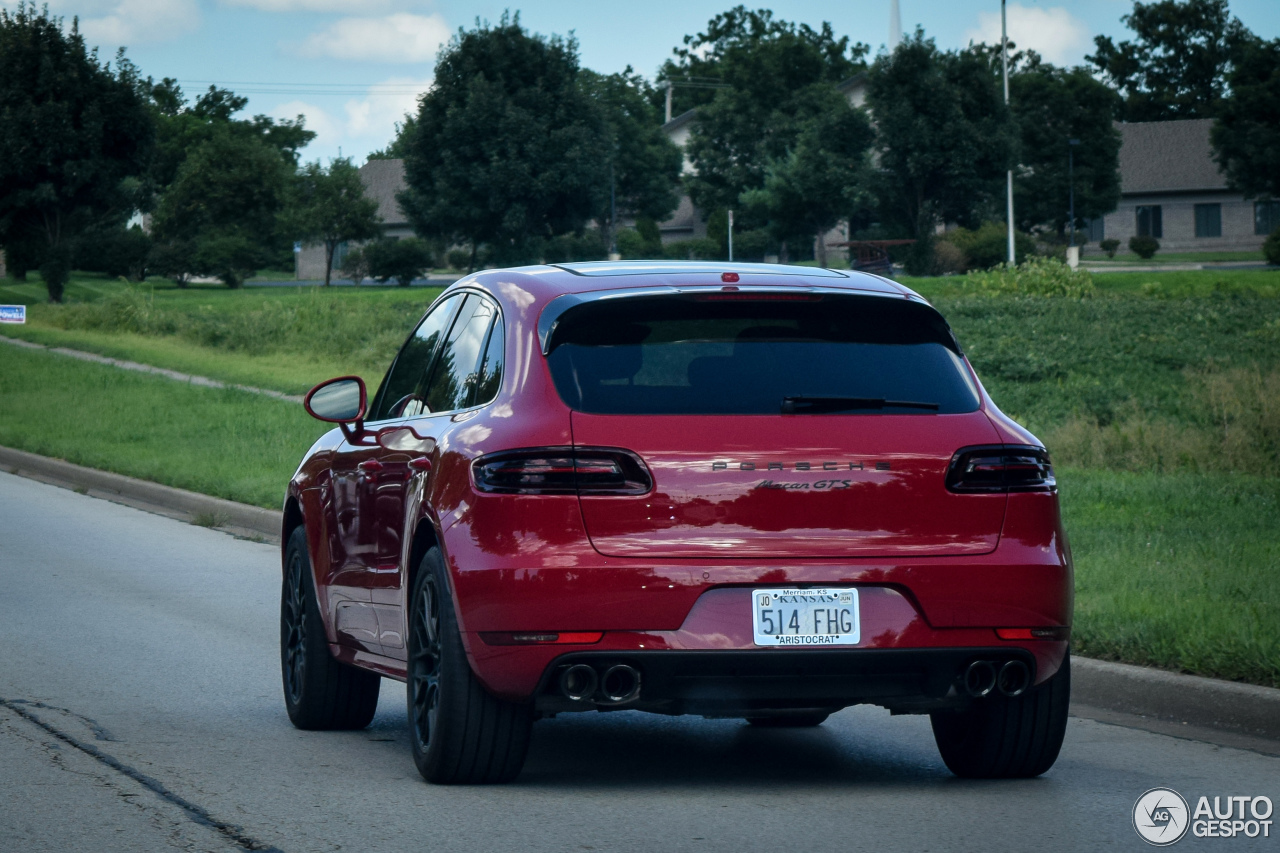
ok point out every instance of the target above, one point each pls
(382, 180)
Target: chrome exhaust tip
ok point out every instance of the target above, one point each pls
(1014, 678)
(620, 684)
(578, 682)
(980, 678)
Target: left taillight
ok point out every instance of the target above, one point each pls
(1001, 468)
(562, 471)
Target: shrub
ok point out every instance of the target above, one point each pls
(1271, 248)
(115, 251)
(988, 246)
(355, 266)
(404, 260)
(633, 246)
(1034, 277)
(750, 245)
(575, 247)
(458, 259)
(173, 259)
(948, 258)
(1144, 247)
(1109, 245)
(697, 249)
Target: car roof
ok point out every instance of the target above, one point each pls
(542, 283)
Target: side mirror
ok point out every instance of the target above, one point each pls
(340, 401)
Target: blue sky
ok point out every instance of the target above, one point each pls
(354, 68)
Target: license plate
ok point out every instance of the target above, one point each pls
(805, 617)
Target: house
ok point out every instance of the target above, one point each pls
(1171, 189)
(382, 180)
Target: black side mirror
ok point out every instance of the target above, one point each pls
(340, 401)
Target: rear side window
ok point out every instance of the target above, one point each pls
(672, 355)
(457, 375)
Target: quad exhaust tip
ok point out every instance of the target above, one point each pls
(619, 685)
(984, 677)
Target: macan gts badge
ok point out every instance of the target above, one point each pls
(747, 491)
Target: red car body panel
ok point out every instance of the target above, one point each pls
(672, 570)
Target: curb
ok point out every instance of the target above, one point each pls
(240, 519)
(1153, 694)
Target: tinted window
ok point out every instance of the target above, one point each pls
(457, 371)
(1150, 222)
(398, 395)
(1208, 220)
(688, 355)
(490, 379)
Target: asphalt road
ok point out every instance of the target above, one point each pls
(140, 710)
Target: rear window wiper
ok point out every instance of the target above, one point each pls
(808, 405)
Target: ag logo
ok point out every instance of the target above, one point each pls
(1160, 816)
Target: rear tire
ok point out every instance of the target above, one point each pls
(458, 732)
(1007, 738)
(319, 692)
(790, 721)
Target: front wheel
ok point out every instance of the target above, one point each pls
(459, 733)
(319, 692)
(1007, 738)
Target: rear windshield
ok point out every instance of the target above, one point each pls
(686, 355)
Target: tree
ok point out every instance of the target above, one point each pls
(778, 76)
(404, 260)
(509, 150)
(944, 139)
(645, 163)
(1178, 63)
(1246, 137)
(398, 148)
(329, 206)
(75, 139)
(820, 180)
(1052, 106)
(222, 207)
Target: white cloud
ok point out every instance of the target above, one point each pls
(1053, 32)
(365, 124)
(130, 22)
(402, 37)
(330, 133)
(312, 5)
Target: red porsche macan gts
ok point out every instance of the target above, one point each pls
(734, 490)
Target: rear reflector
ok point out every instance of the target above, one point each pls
(502, 638)
(1034, 633)
(1001, 468)
(562, 471)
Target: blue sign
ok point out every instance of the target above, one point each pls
(13, 313)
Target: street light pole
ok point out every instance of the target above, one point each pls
(1071, 187)
(1004, 61)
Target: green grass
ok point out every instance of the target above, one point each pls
(226, 443)
(283, 338)
(1178, 571)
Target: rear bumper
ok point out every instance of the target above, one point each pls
(739, 683)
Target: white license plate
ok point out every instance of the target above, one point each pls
(805, 617)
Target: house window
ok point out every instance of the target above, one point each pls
(1093, 228)
(1208, 220)
(1149, 220)
(1266, 217)
(339, 255)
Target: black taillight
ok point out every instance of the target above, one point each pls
(1001, 468)
(562, 471)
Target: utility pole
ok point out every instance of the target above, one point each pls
(1004, 61)
(670, 88)
(731, 236)
(1071, 187)
(613, 213)
(895, 26)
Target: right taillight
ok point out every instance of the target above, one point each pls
(1001, 468)
(562, 471)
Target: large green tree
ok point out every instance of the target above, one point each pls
(1177, 64)
(820, 181)
(1053, 106)
(944, 138)
(328, 206)
(1246, 138)
(644, 163)
(75, 140)
(219, 215)
(778, 76)
(509, 150)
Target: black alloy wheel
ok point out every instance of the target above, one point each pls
(459, 733)
(319, 692)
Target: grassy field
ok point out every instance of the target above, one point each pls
(1159, 396)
